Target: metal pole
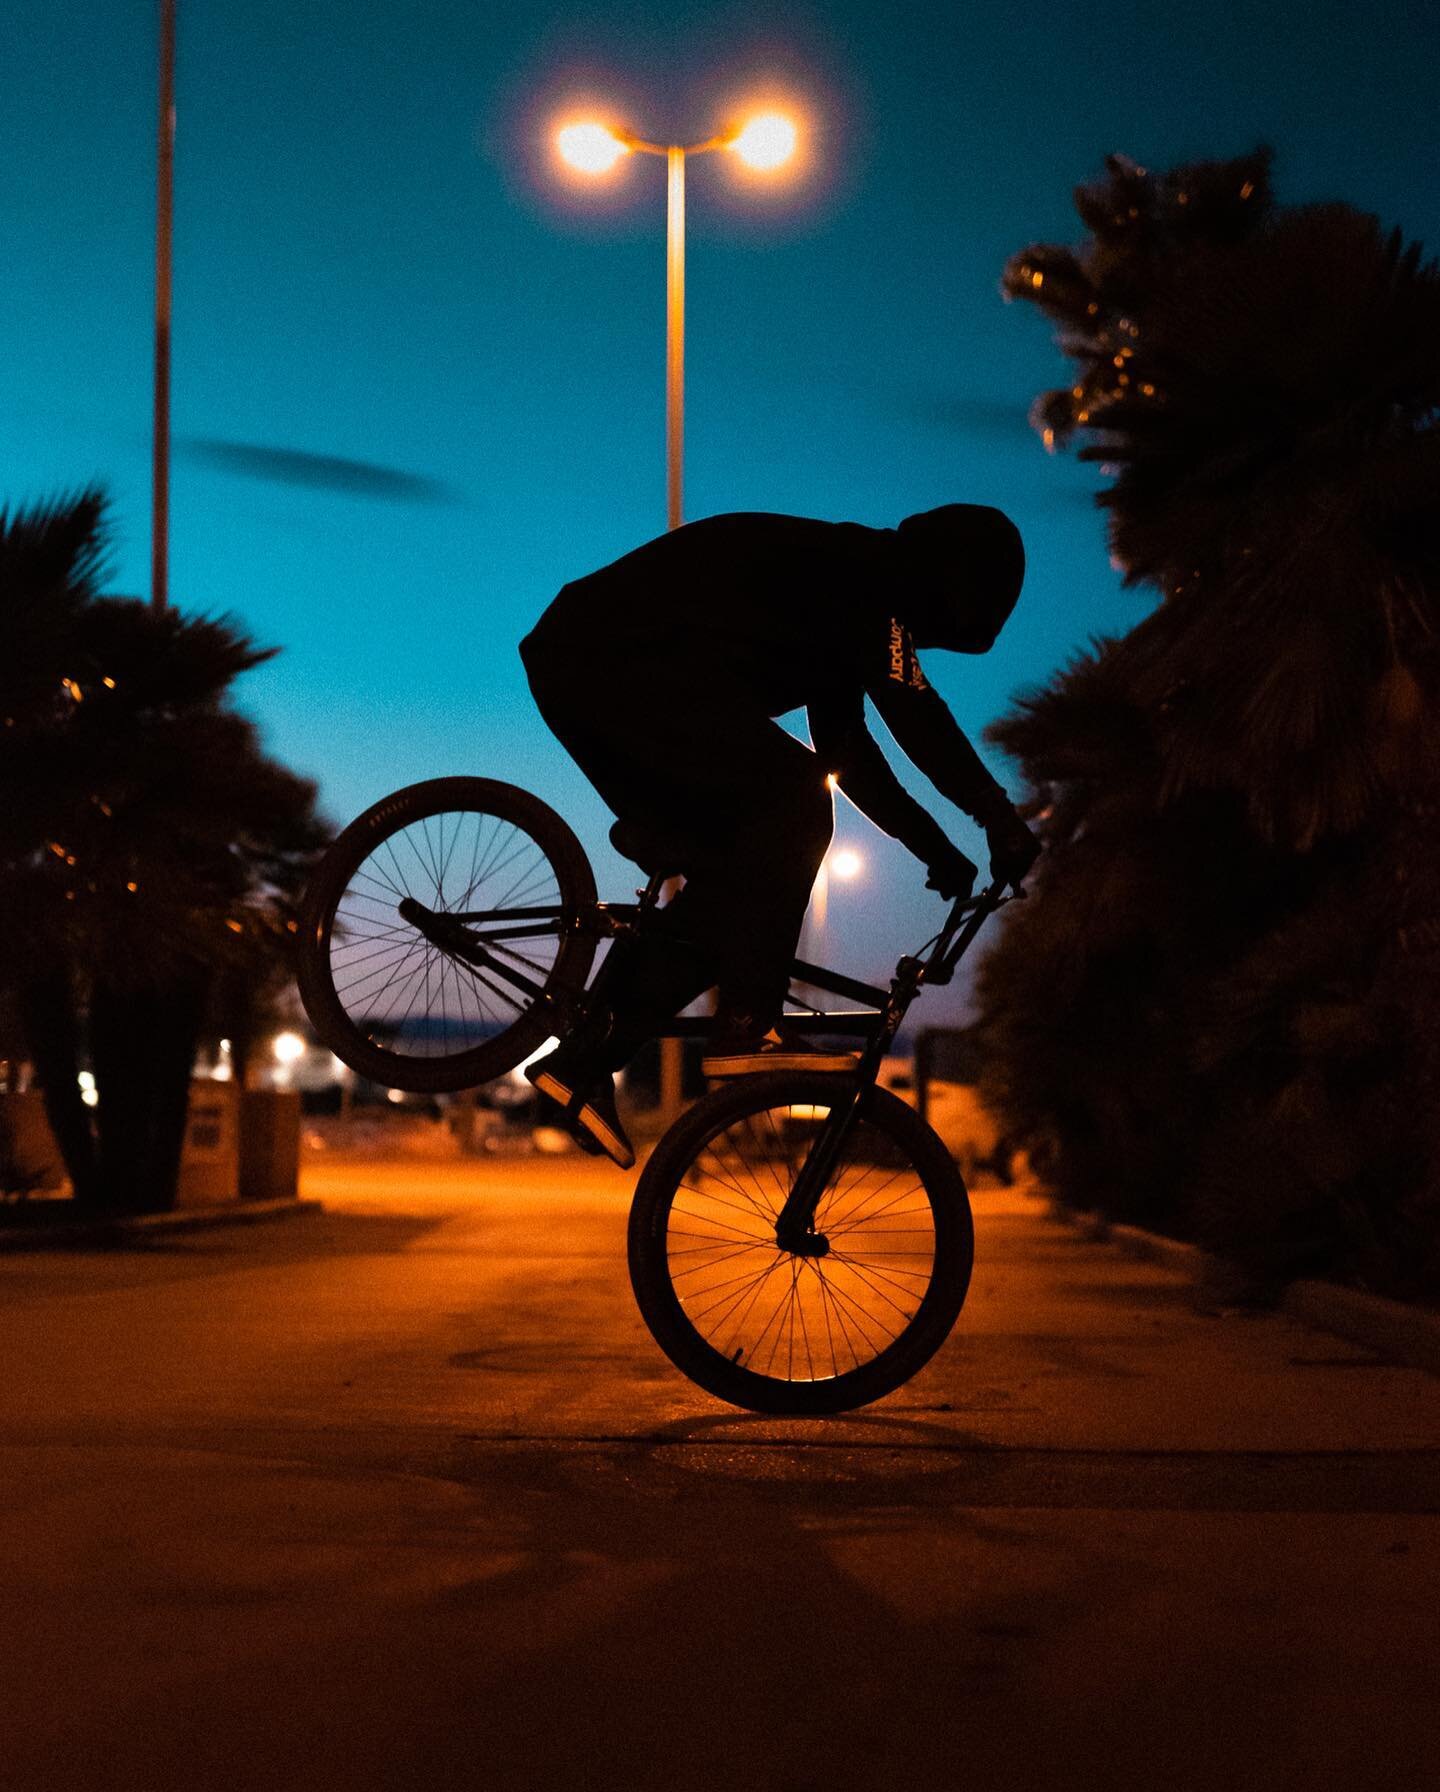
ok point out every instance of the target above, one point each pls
(672, 1059)
(164, 209)
(675, 343)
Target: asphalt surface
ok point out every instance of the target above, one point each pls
(403, 1495)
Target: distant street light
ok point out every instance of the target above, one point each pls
(843, 863)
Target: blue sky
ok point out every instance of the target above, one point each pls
(375, 262)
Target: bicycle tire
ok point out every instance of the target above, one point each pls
(735, 1226)
(473, 1026)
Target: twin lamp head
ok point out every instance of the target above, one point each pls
(763, 142)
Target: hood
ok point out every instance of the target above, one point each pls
(961, 572)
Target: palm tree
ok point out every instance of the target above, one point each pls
(151, 850)
(1241, 906)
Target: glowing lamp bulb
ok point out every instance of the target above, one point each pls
(592, 148)
(288, 1048)
(766, 142)
(846, 863)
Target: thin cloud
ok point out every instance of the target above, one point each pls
(317, 472)
(976, 416)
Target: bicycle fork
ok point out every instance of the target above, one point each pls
(795, 1226)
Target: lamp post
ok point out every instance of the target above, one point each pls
(164, 216)
(764, 142)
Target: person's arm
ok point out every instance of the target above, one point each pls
(933, 740)
(929, 736)
(846, 748)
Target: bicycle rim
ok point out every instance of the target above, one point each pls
(772, 1330)
(400, 1006)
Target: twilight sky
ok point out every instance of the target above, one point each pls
(376, 262)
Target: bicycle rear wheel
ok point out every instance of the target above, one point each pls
(772, 1331)
(439, 945)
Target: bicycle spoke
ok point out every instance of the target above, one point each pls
(839, 1218)
(754, 1206)
(748, 1208)
(881, 1212)
(855, 1270)
(735, 1231)
(861, 1315)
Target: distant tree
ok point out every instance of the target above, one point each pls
(1221, 1012)
(150, 853)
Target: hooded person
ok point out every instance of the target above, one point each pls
(662, 675)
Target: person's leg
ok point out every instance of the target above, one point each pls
(752, 910)
(746, 910)
(639, 749)
(610, 731)
(755, 801)
(758, 798)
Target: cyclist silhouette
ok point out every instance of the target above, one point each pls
(662, 673)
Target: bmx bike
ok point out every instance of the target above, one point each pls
(799, 1242)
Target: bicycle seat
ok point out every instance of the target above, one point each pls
(656, 852)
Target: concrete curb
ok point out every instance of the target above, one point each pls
(1409, 1334)
(70, 1234)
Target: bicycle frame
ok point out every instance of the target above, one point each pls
(471, 935)
(467, 935)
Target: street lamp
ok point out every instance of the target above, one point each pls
(764, 143)
(288, 1050)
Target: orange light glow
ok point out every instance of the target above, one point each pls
(767, 141)
(590, 147)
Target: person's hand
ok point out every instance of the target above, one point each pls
(951, 873)
(1013, 849)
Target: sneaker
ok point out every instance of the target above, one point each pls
(742, 1048)
(587, 1101)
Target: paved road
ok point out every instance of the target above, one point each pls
(404, 1496)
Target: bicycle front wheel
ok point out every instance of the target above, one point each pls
(439, 940)
(777, 1332)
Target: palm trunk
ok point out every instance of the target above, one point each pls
(52, 1034)
(143, 1044)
